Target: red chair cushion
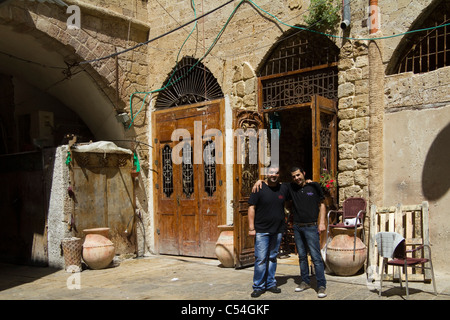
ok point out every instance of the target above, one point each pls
(409, 261)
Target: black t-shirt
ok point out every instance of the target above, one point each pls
(306, 201)
(269, 212)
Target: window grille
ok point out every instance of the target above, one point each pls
(187, 171)
(189, 82)
(326, 121)
(209, 167)
(300, 66)
(167, 170)
(298, 52)
(430, 49)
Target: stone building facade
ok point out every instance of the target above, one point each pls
(391, 126)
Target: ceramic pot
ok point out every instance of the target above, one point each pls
(98, 250)
(225, 246)
(340, 258)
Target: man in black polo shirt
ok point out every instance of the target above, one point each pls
(266, 222)
(308, 208)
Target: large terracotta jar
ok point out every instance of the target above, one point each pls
(341, 258)
(225, 246)
(98, 250)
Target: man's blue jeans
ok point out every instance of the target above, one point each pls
(266, 251)
(308, 239)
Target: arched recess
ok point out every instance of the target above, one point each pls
(301, 66)
(80, 91)
(426, 50)
(33, 65)
(189, 182)
(297, 93)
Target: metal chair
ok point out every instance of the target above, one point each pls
(353, 211)
(391, 245)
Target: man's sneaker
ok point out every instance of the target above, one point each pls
(302, 287)
(321, 292)
(256, 293)
(274, 289)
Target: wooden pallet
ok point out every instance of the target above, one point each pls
(412, 223)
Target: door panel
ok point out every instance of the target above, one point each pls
(246, 175)
(188, 218)
(324, 145)
(167, 204)
(324, 124)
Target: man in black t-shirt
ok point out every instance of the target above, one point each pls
(309, 222)
(266, 222)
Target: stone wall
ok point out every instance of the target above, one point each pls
(353, 114)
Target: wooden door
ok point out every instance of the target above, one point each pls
(324, 127)
(246, 174)
(189, 191)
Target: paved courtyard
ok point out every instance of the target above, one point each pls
(160, 277)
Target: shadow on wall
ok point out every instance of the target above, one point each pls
(436, 170)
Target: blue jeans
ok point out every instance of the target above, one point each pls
(266, 251)
(308, 239)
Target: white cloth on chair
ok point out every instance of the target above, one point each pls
(387, 242)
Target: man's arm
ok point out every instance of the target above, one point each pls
(322, 216)
(251, 221)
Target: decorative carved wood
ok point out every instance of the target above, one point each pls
(245, 175)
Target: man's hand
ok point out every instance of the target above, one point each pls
(322, 227)
(257, 186)
(252, 232)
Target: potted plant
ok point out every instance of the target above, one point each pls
(329, 184)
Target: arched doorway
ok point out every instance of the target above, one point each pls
(298, 84)
(297, 94)
(189, 181)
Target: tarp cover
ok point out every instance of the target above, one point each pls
(101, 147)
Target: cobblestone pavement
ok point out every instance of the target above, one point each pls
(159, 277)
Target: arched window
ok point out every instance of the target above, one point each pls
(426, 50)
(298, 67)
(189, 82)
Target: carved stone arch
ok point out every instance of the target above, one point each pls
(102, 33)
(189, 82)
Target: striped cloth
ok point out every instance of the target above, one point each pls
(387, 242)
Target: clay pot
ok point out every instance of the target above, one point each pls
(225, 246)
(340, 258)
(98, 250)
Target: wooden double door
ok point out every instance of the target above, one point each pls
(189, 186)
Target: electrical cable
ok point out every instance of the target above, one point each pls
(343, 37)
(274, 17)
(173, 73)
(169, 83)
(158, 37)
